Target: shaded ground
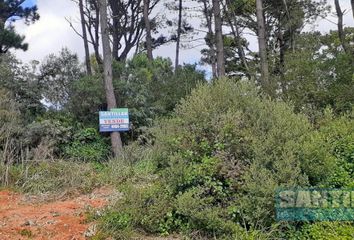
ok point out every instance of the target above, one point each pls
(24, 217)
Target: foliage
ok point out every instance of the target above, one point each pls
(318, 74)
(135, 164)
(323, 231)
(51, 132)
(115, 224)
(328, 153)
(151, 89)
(10, 11)
(220, 158)
(21, 80)
(57, 74)
(85, 109)
(87, 145)
(9, 116)
(52, 177)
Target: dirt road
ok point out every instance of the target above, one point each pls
(23, 217)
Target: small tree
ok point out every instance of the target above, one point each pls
(57, 74)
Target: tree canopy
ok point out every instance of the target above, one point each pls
(11, 11)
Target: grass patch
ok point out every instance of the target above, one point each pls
(26, 233)
(55, 177)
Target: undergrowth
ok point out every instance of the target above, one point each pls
(55, 177)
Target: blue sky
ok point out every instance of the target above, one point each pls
(29, 3)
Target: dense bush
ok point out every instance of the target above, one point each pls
(231, 148)
(323, 231)
(220, 158)
(328, 153)
(152, 89)
(9, 116)
(87, 145)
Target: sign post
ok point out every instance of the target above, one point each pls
(116, 120)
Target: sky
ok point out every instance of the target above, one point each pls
(52, 32)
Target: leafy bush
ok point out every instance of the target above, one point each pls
(234, 146)
(151, 89)
(10, 127)
(85, 109)
(219, 157)
(328, 153)
(323, 231)
(53, 133)
(88, 145)
(148, 206)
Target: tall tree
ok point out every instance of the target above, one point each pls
(179, 31)
(10, 11)
(84, 37)
(352, 2)
(219, 39)
(235, 30)
(148, 30)
(210, 37)
(92, 22)
(107, 66)
(262, 44)
(127, 25)
(341, 33)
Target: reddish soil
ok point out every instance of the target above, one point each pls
(23, 218)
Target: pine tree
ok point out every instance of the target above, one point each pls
(11, 11)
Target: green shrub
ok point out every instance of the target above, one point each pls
(149, 206)
(115, 224)
(219, 159)
(328, 153)
(53, 133)
(324, 231)
(88, 145)
(235, 147)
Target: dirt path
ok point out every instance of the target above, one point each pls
(22, 217)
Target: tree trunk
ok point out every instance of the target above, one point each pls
(237, 35)
(107, 65)
(281, 67)
(211, 44)
(341, 33)
(84, 36)
(263, 49)
(352, 2)
(115, 31)
(219, 41)
(97, 36)
(179, 30)
(148, 30)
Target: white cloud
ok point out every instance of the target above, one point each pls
(51, 32)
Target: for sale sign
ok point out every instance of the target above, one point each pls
(116, 120)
